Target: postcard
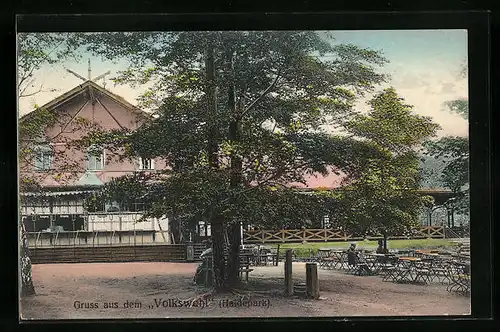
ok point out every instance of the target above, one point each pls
(243, 174)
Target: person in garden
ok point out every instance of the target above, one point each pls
(200, 276)
(380, 248)
(353, 259)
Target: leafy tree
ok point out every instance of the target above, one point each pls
(453, 152)
(240, 118)
(384, 199)
(34, 51)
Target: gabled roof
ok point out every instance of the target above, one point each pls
(82, 88)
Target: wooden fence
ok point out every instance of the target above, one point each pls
(329, 235)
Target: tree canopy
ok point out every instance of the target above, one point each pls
(242, 115)
(384, 199)
(453, 153)
(284, 86)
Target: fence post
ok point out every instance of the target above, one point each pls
(288, 273)
(312, 282)
(277, 255)
(74, 244)
(189, 252)
(135, 252)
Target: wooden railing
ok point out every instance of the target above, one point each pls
(432, 232)
(328, 235)
(137, 253)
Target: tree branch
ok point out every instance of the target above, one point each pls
(22, 94)
(33, 67)
(263, 94)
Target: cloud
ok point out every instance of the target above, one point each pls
(432, 105)
(448, 88)
(409, 81)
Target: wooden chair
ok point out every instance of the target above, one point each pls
(423, 273)
(244, 269)
(388, 272)
(273, 256)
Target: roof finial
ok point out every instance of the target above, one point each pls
(89, 71)
(89, 78)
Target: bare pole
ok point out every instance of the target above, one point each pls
(288, 273)
(89, 72)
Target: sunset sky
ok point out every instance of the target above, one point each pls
(424, 65)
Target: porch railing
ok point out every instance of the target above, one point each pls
(329, 235)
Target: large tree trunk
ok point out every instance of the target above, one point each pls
(27, 287)
(236, 178)
(219, 261)
(216, 220)
(234, 254)
(175, 227)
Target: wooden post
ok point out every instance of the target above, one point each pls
(312, 282)
(288, 273)
(277, 255)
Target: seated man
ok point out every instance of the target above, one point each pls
(202, 271)
(352, 255)
(381, 249)
(353, 259)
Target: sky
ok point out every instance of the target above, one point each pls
(424, 66)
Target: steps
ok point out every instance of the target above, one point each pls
(464, 246)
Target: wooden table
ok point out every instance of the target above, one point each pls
(406, 251)
(406, 269)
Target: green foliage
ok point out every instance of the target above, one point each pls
(459, 106)
(453, 152)
(34, 128)
(384, 197)
(283, 93)
(392, 125)
(127, 191)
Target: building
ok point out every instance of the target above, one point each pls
(68, 175)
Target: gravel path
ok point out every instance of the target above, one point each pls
(157, 290)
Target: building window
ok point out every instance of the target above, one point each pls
(202, 230)
(95, 158)
(146, 163)
(43, 158)
(326, 222)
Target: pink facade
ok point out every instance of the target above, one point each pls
(76, 115)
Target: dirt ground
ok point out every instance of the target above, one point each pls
(156, 290)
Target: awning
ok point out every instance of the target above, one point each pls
(57, 193)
